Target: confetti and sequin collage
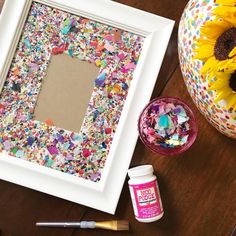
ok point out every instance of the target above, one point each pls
(49, 32)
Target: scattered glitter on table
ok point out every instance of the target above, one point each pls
(50, 32)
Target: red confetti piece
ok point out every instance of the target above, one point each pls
(2, 106)
(108, 130)
(55, 51)
(86, 152)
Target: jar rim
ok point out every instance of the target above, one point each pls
(140, 171)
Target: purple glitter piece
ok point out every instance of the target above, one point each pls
(52, 150)
(177, 110)
(155, 108)
(30, 141)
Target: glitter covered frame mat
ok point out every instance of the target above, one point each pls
(142, 28)
(50, 32)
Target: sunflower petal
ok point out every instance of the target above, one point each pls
(202, 41)
(223, 94)
(223, 76)
(233, 52)
(228, 65)
(231, 101)
(226, 2)
(219, 85)
(227, 13)
(205, 51)
(213, 29)
(210, 64)
(224, 10)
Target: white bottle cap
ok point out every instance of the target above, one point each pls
(140, 171)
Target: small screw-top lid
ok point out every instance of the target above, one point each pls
(140, 171)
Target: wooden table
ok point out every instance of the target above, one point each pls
(197, 188)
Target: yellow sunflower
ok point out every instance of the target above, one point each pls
(216, 43)
(225, 88)
(216, 47)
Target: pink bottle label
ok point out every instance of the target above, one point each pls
(146, 200)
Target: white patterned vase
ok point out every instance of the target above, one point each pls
(194, 16)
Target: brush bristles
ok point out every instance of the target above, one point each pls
(116, 225)
(122, 225)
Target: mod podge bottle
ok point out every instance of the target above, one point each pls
(145, 194)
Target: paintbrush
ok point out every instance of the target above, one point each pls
(116, 225)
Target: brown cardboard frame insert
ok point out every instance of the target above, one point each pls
(65, 92)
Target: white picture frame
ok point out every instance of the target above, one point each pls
(103, 195)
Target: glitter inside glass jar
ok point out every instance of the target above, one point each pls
(167, 126)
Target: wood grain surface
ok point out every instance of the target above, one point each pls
(198, 188)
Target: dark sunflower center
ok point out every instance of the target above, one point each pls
(224, 44)
(232, 81)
